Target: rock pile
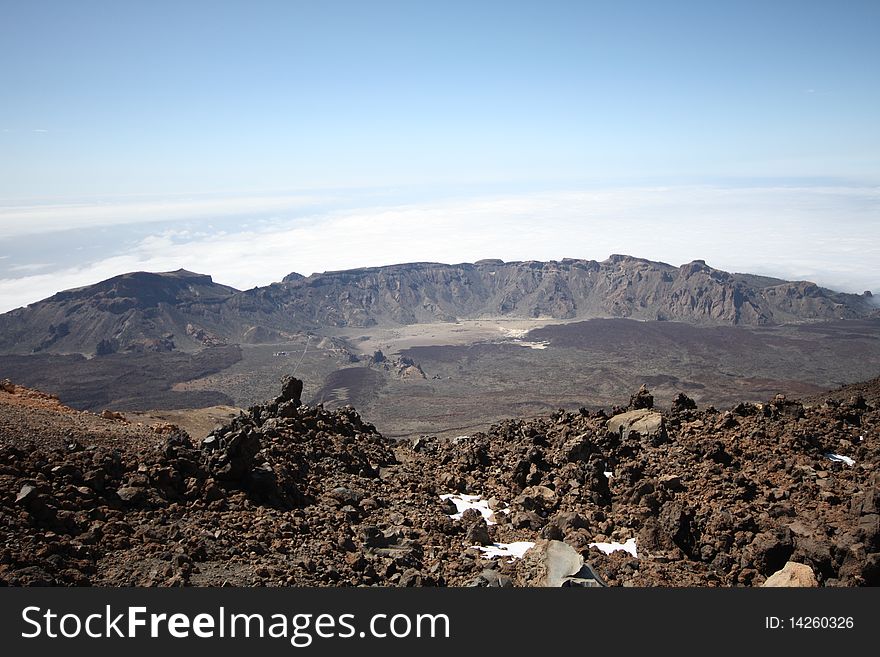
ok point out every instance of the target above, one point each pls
(290, 494)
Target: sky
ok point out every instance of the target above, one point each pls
(251, 139)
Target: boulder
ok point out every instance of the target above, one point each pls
(644, 422)
(793, 575)
(478, 534)
(642, 399)
(565, 522)
(770, 550)
(291, 391)
(131, 494)
(232, 457)
(683, 403)
(527, 520)
(536, 498)
(26, 494)
(671, 529)
(553, 564)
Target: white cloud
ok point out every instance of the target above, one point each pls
(828, 235)
(19, 219)
(31, 266)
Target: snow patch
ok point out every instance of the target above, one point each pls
(465, 502)
(513, 550)
(840, 457)
(516, 336)
(608, 548)
(543, 344)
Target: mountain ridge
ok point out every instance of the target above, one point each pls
(185, 310)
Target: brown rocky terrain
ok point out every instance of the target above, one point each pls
(197, 422)
(290, 494)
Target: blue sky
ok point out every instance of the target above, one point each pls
(117, 115)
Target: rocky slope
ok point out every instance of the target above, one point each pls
(134, 312)
(187, 311)
(288, 494)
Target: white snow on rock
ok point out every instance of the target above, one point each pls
(608, 548)
(840, 457)
(531, 345)
(465, 502)
(516, 336)
(513, 550)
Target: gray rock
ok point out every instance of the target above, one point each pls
(26, 493)
(131, 494)
(343, 495)
(646, 423)
(478, 534)
(491, 578)
(553, 564)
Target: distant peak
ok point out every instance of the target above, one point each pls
(183, 274)
(186, 273)
(619, 258)
(695, 266)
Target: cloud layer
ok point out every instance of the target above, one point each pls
(36, 219)
(825, 234)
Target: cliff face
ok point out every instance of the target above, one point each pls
(185, 310)
(620, 286)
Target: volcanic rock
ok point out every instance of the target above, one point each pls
(553, 564)
(478, 533)
(536, 498)
(643, 422)
(491, 578)
(316, 497)
(291, 391)
(642, 399)
(792, 575)
(770, 550)
(683, 403)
